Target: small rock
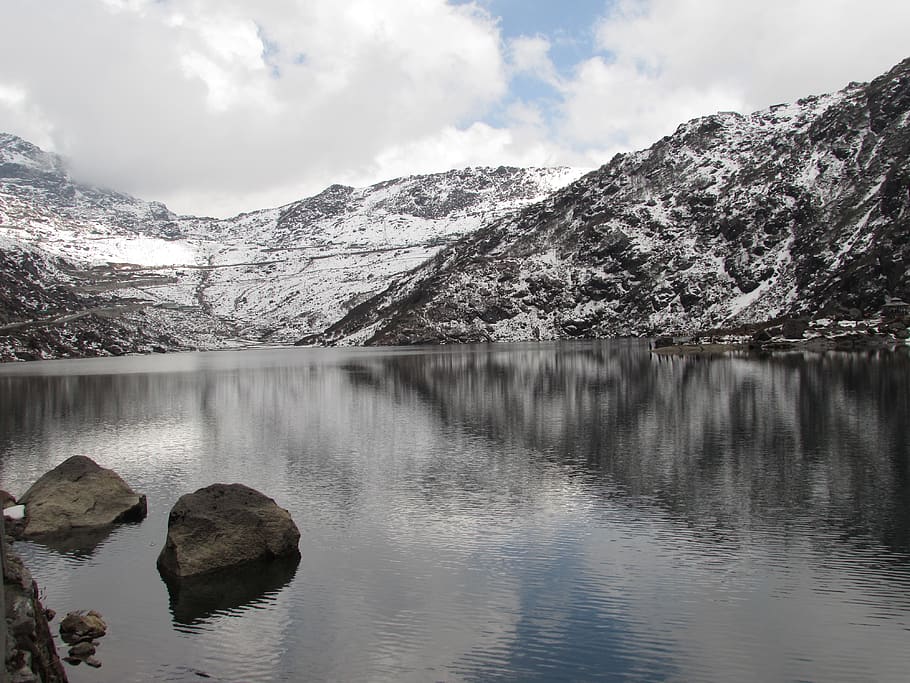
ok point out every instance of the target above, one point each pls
(82, 649)
(794, 329)
(49, 614)
(77, 626)
(75, 661)
(91, 661)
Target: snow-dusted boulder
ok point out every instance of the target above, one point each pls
(224, 525)
(14, 512)
(77, 495)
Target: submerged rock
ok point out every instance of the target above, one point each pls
(82, 649)
(224, 525)
(76, 495)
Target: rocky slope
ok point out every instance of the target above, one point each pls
(88, 271)
(798, 211)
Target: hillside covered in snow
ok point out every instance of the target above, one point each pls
(89, 271)
(800, 211)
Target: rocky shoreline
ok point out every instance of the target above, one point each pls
(215, 535)
(889, 330)
(29, 651)
(837, 329)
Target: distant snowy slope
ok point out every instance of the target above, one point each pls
(302, 267)
(271, 275)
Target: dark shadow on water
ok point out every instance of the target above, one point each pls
(76, 544)
(195, 600)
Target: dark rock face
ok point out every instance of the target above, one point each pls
(30, 651)
(224, 525)
(79, 495)
(731, 220)
(43, 315)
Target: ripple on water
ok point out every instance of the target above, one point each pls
(566, 512)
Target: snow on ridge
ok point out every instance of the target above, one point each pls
(274, 274)
(15, 150)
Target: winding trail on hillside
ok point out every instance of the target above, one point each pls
(105, 311)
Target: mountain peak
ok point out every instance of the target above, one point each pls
(14, 151)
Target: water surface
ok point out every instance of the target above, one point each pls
(572, 512)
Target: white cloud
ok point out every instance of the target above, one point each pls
(218, 105)
(15, 105)
(229, 98)
(671, 60)
(480, 144)
(771, 51)
(531, 55)
(616, 107)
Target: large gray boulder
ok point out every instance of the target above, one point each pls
(79, 495)
(224, 525)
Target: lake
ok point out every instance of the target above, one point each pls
(542, 512)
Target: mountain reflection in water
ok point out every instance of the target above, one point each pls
(195, 600)
(521, 512)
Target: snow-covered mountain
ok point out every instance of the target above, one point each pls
(800, 210)
(139, 277)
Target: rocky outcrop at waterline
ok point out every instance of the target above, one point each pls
(7, 499)
(79, 495)
(31, 655)
(222, 526)
(842, 331)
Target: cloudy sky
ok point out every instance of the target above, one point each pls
(219, 106)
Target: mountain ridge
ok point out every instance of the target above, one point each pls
(797, 210)
(265, 276)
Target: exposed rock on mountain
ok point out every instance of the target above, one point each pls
(48, 310)
(31, 654)
(303, 266)
(88, 271)
(799, 210)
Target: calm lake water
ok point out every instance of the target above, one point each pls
(508, 512)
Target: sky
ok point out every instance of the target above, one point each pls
(221, 106)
